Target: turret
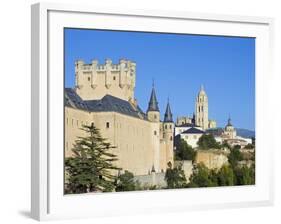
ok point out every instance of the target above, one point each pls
(168, 133)
(153, 112)
(168, 117)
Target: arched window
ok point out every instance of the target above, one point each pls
(170, 126)
(155, 132)
(171, 138)
(165, 126)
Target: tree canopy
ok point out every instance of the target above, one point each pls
(175, 177)
(184, 151)
(91, 167)
(207, 141)
(125, 182)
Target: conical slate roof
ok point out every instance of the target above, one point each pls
(168, 117)
(153, 104)
(229, 122)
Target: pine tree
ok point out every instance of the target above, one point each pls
(91, 167)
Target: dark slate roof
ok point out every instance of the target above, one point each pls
(168, 117)
(153, 104)
(73, 100)
(193, 131)
(229, 122)
(107, 103)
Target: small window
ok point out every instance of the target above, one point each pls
(107, 124)
(155, 132)
(114, 78)
(165, 126)
(194, 136)
(89, 79)
(171, 138)
(170, 126)
(155, 116)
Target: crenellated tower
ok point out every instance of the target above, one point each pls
(201, 109)
(94, 81)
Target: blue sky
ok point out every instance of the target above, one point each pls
(179, 64)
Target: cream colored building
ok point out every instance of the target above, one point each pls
(104, 96)
(191, 136)
(229, 130)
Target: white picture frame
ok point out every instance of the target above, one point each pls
(47, 199)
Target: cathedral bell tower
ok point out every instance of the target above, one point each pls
(201, 109)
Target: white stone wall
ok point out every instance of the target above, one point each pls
(191, 139)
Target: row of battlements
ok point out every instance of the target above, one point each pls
(123, 64)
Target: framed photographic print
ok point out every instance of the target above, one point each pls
(148, 111)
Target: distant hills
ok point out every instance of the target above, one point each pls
(245, 133)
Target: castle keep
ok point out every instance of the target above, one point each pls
(104, 96)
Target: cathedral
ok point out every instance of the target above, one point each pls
(201, 116)
(104, 96)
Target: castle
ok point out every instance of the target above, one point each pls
(104, 96)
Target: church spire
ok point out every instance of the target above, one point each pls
(153, 104)
(229, 121)
(168, 117)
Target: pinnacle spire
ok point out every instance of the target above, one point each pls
(168, 117)
(229, 121)
(153, 104)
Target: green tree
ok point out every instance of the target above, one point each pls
(225, 176)
(245, 175)
(175, 177)
(237, 147)
(234, 156)
(90, 168)
(125, 182)
(203, 177)
(184, 151)
(207, 141)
